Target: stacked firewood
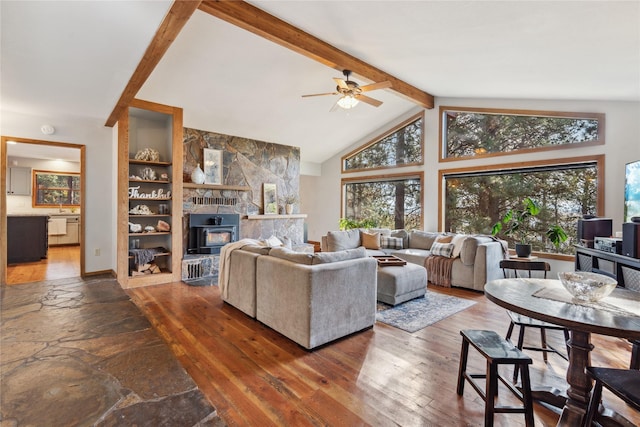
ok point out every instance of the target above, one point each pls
(142, 269)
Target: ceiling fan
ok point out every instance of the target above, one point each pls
(352, 92)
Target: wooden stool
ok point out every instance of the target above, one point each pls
(497, 351)
(622, 382)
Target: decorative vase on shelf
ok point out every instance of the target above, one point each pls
(288, 208)
(197, 176)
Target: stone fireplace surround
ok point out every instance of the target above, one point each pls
(247, 165)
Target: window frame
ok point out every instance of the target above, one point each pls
(515, 112)
(377, 139)
(598, 159)
(382, 178)
(34, 192)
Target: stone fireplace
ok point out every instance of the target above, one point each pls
(247, 165)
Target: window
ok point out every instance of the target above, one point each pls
(392, 201)
(402, 146)
(56, 189)
(477, 199)
(467, 132)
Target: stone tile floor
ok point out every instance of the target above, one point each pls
(79, 352)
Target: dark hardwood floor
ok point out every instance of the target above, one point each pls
(382, 376)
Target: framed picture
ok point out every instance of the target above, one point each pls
(270, 199)
(212, 162)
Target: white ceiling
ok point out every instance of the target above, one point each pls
(74, 58)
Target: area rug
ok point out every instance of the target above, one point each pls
(413, 315)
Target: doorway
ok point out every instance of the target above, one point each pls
(25, 161)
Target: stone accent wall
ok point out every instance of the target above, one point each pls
(250, 163)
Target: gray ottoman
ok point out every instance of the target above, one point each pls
(397, 284)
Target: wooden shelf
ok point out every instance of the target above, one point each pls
(155, 255)
(147, 216)
(216, 186)
(145, 162)
(148, 198)
(151, 181)
(155, 233)
(263, 217)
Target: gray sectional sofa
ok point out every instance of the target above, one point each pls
(311, 299)
(475, 259)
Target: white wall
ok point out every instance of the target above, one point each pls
(622, 145)
(100, 197)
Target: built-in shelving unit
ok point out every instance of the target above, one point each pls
(153, 186)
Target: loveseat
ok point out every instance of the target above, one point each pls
(311, 299)
(474, 259)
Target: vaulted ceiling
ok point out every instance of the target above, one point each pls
(64, 58)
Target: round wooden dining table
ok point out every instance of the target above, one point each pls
(617, 315)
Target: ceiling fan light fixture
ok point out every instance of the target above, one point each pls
(347, 102)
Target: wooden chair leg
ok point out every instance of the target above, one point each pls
(491, 393)
(543, 344)
(635, 355)
(594, 403)
(566, 341)
(527, 398)
(519, 345)
(464, 352)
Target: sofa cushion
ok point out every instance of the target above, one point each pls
(289, 255)
(442, 249)
(458, 241)
(422, 239)
(388, 242)
(370, 240)
(381, 231)
(328, 257)
(342, 240)
(403, 235)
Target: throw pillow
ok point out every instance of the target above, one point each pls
(273, 242)
(444, 238)
(328, 257)
(442, 249)
(370, 240)
(388, 242)
(458, 241)
(341, 240)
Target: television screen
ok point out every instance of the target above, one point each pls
(632, 191)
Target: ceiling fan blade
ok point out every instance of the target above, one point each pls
(341, 83)
(374, 86)
(320, 94)
(369, 100)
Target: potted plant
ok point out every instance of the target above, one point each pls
(517, 223)
(288, 202)
(348, 224)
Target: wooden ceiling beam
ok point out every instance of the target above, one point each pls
(172, 24)
(257, 21)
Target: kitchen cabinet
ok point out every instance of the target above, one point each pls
(18, 181)
(72, 236)
(26, 238)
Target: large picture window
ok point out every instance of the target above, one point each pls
(477, 199)
(56, 189)
(394, 201)
(467, 132)
(402, 146)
